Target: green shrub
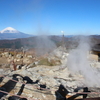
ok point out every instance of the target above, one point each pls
(44, 61)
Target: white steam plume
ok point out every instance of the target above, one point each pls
(78, 63)
(44, 45)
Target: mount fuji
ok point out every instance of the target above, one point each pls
(11, 33)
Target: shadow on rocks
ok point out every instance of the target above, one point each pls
(29, 80)
(8, 86)
(61, 93)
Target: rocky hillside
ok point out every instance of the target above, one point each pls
(25, 76)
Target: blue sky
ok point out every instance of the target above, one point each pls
(51, 16)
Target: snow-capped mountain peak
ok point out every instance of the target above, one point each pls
(11, 33)
(9, 30)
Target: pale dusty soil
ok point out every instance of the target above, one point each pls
(3, 60)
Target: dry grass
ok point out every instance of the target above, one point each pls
(45, 61)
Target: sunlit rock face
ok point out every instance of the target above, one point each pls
(42, 82)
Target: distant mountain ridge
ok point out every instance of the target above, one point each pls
(31, 42)
(11, 33)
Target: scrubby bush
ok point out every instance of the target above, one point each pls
(45, 61)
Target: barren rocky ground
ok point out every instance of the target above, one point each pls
(24, 76)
